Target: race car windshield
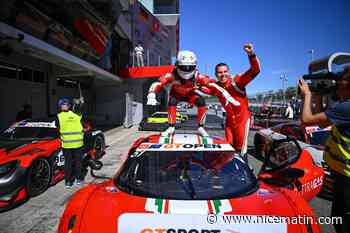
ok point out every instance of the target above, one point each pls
(186, 175)
(25, 133)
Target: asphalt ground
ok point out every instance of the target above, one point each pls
(41, 214)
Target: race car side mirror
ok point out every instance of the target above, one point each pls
(282, 153)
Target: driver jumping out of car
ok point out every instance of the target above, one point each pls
(232, 95)
(184, 80)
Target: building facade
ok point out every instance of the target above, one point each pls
(59, 48)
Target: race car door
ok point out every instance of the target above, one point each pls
(287, 165)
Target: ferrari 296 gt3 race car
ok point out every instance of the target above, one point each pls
(31, 159)
(186, 183)
(310, 138)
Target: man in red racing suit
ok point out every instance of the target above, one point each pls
(232, 96)
(184, 80)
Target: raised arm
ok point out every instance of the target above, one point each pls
(242, 80)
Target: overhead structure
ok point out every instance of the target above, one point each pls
(324, 65)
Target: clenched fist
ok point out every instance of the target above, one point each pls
(248, 48)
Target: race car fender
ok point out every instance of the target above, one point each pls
(302, 209)
(72, 216)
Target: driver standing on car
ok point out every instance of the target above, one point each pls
(72, 139)
(231, 92)
(337, 152)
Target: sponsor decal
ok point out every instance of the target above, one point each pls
(59, 159)
(196, 223)
(264, 192)
(111, 189)
(184, 147)
(312, 185)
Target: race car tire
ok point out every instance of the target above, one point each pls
(38, 177)
(98, 146)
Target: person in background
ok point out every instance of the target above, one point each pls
(72, 138)
(289, 112)
(26, 113)
(337, 151)
(139, 55)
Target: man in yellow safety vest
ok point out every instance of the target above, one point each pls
(72, 140)
(337, 152)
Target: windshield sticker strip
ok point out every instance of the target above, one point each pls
(37, 124)
(184, 147)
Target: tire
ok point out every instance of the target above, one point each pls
(38, 177)
(98, 146)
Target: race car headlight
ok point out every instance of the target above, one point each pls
(7, 167)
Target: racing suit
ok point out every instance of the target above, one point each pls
(233, 98)
(182, 90)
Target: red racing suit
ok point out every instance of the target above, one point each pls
(237, 111)
(183, 90)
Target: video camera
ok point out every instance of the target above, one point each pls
(322, 83)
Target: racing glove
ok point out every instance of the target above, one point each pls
(151, 99)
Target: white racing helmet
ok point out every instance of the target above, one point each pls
(186, 63)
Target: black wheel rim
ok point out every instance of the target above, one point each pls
(40, 177)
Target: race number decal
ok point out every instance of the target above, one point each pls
(59, 159)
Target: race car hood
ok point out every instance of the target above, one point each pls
(109, 208)
(14, 148)
(8, 146)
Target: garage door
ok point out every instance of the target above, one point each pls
(19, 86)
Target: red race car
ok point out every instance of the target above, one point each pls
(31, 159)
(311, 139)
(191, 184)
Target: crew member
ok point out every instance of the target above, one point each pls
(72, 140)
(184, 80)
(233, 97)
(337, 152)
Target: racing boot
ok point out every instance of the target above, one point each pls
(202, 131)
(170, 130)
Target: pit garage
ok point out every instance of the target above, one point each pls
(37, 73)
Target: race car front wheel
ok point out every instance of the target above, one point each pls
(39, 177)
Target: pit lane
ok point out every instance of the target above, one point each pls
(41, 214)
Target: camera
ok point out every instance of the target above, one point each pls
(322, 83)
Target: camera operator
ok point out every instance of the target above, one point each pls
(337, 152)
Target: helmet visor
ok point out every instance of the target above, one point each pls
(186, 68)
